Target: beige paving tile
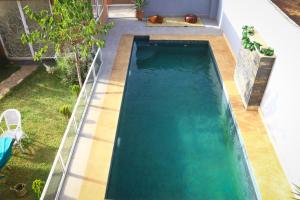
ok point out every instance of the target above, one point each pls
(96, 173)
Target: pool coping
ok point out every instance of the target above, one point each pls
(269, 175)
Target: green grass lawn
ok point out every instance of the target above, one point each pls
(6, 69)
(38, 98)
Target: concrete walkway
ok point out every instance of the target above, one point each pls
(15, 79)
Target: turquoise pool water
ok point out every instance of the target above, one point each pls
(176, 137)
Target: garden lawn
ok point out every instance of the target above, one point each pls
(38, 98)
(7, 69)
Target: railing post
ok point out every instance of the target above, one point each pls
(75, 124)
(62, 163)
(94, 72)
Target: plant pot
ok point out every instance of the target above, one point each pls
(139, 15)
(19, 189)
(156, 19)
(192, 19)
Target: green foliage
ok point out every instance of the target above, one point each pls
(247, 44)
(297, 192)
(140, 4)
(75, 89)
(65, 110)
(70, 27)
(67, 72)
(37, 187)
(252, 45)
(27, 141)
(267, 51)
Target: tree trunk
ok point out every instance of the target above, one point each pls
(77, 63)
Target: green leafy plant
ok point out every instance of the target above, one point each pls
(37, 187)
(257, 45)
(65, 110)
(26, 142)
(267, 51)
(252, 45)
(247, 44)
(67, 72)
(248, 30)
(140, 4)
(75, 89)
(297, 192)
(69, 27)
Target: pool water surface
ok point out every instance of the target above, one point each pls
(176, 137)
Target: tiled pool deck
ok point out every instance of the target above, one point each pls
(89, 169)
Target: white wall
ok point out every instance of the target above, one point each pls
(281, 102)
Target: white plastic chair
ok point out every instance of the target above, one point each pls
(13, 124)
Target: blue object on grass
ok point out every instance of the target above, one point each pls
(6, 144)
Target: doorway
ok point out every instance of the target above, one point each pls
(121, 9)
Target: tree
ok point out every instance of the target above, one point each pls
(70, 27)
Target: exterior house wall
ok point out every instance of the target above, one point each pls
(13, 23)
(37, 5)
(280, 106)
(11, 29)
(208, 8)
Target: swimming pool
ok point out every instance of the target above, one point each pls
(176, 137)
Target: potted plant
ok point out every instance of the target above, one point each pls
(19, 189)
(139, 5)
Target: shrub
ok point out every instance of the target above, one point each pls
(75, 89)
(252, 45)
(297, 192)
(37, 187)
(65, 110)
(66, 70)
(26, 142)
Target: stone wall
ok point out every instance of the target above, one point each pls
(251, 76)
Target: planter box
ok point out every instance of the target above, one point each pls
(252, 74)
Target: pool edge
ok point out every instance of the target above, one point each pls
(272, 181)
(269, 175)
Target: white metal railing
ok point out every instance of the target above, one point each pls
(97, 8)
(61, 162)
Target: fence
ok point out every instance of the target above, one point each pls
(60, 165)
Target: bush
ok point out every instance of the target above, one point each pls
(27, 142)
(67, 70)
(37, 187)
(65, 110)
(75, 89)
